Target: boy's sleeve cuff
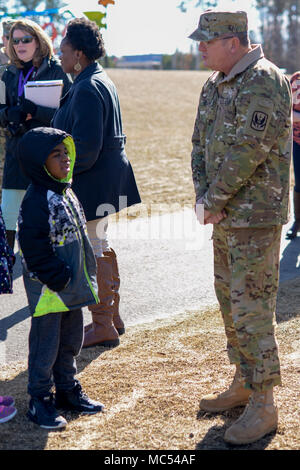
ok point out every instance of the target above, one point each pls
(62, 283)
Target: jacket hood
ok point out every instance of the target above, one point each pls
(33, 151)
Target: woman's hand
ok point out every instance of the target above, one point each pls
(29, 108)
(15, 115)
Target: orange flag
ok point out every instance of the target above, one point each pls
(105, 2)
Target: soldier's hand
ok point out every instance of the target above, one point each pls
(205, 217)
(213, 218)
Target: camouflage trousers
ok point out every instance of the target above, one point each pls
(246, 273)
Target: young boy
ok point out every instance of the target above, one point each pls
(59, 272)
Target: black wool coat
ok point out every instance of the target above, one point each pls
(103, 178)
(50, 69)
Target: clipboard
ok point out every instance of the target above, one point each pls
(44, 93)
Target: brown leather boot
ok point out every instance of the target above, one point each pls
(102, 331)
(292, 232)
(259, 418)
(236, 395)
(118, 322)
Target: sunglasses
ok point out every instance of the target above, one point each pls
(23, 40)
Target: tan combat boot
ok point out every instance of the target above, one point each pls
(102, 331)
(259, 418)
(236, 395)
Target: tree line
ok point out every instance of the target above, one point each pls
(278, 32)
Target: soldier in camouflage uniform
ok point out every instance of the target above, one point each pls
(240, 164)
(6, 27)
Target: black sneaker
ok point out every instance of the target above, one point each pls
(76, 400)
(43, 412)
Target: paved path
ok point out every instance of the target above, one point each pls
(166, 268)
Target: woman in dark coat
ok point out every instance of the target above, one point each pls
(31, 55)
(103, 178)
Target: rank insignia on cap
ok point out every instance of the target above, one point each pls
(259, 121)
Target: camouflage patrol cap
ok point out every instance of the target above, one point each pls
(6, 26)
(217, 24)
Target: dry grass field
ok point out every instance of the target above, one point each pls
(159, 110)
(152, 383)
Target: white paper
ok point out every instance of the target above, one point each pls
(2, 93)
(44, 93)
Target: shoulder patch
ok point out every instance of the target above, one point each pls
(258, 117)
(259, 121)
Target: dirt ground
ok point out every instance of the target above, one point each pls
(152, 383)
(151, 386)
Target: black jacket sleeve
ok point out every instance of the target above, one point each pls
(3, 116)
(87, 128)
(36, 248)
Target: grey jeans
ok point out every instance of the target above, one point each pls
(55, 340)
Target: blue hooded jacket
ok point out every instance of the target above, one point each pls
(59, 267)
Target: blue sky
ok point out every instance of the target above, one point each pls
(152, 26)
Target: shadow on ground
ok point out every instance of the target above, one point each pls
(290, 260)
(9, 322)
(22, 434)
(17, 271)
(213, 440)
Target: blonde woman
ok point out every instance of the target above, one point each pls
(31, 58)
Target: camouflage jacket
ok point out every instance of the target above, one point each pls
(4, 61)
(242, 143)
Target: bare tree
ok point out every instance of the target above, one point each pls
(185, 4)
(31, 5)
(279, 29)
(293, 37)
